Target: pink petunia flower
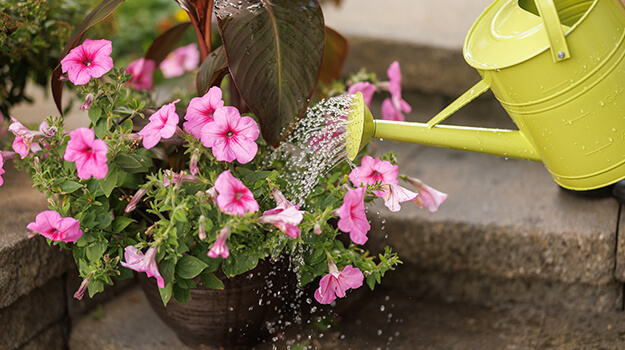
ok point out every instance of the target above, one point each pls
(366, 88)
(200, 111)
(88, 153)
(142, 71)
(395, 194)
(137, 261)
(89, 60)
(352, 216)
(286, 220)
(162, 125)
(394, 107)
(219, 248)
(51, 225)
(25, 139)
(231, 136)
(233, 197)
(374, 171)
(281, 203)
(428, 197)
(183, 59)
(336, 283)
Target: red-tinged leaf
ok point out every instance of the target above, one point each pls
(166, 43)
(274, 51)
(212, 70)
(103, 10)
(334, 56)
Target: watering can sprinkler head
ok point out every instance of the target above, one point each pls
(360, 126)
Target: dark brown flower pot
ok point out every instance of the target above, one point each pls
(244, 313)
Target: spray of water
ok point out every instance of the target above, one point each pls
(317, 145)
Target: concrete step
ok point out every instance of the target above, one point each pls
(383, 319)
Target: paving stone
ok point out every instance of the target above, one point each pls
(426, 69)
(32, 315)
(54, 338)
(382, 319)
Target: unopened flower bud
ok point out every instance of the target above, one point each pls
(202, 232)
(87, 103)
(193, 164)
(132, 205)
(317, 229)
(81, 290)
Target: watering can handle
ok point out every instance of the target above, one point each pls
(557, 42)
(460, 102)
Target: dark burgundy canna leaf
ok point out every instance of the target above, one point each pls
(274, 51)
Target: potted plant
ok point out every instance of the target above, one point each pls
(207, 194)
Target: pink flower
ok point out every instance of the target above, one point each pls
(286, 220)
(395, 194)
(193, 168)
(51, 225)
(142, 71)
(88, 153)
(1, 169)
(162, 124)
(352, 217)
(137, 261)
(428, 197)
(231, 136)
(233, 197)
(394, 107)
(281, 203)
(25, 139)
(366, 88)
(336, 283)
(200, 111)
(183, 59)
(89, 60)
(373, 171)
(219, 248)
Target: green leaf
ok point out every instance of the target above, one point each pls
(182, 295)
(133, 163)
(189, 266)
(94, 114)
(166, 293)
(211, 281)
(274, 52)
(70, 186)
(120, 223)
(95, 287)
(111, 181)
(212, 71)
(236, 265)
(95, 251)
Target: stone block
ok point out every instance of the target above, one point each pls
(503, 218)
(427, 69)
(25, 264)
(32, 315)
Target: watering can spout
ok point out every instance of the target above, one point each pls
(361, 128)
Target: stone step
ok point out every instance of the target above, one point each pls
(384, 319)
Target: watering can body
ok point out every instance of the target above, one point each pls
(559, 72)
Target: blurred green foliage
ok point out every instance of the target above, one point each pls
(32, 35)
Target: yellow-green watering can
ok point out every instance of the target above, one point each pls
(558, 69)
